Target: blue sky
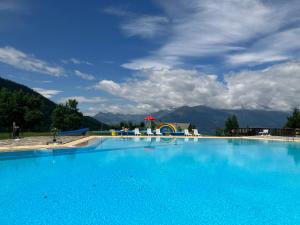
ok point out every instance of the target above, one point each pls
(144, 56)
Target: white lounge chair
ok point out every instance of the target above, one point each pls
(195, 132)
(149, 132)
(137, 132)
(264, 132)
(187, 133)
(157, 132)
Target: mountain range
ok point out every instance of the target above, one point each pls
(206, 119)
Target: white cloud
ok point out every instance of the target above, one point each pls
(133, 24)
(276, 88)
(117, 108)
(91, 111)
(117, 11)
(201, 28)
(164, 89)
(145, 26)
(92, 105)
(276, 47)
(84, 99)
(48, 93)
(84, 76)
(151, 64)
(21, 60)
(76, 62)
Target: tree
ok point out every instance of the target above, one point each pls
(72, 104)
(122, 124)
(293, 121)
(220, 132)
(231, 124)
(66, 116)
(33, 118)
(191, 127)
(130, 125)
(23, 108)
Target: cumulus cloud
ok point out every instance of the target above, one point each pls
(275, 88)
(48, 93)
(164, 89)
(84, 76)
(94, 104)
(118, 107)
(21, 60)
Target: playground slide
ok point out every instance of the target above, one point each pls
(82, 131)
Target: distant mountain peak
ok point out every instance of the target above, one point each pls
(206, 119)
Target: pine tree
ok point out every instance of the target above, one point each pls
(66, 116)
(293, 121)
(231, 124)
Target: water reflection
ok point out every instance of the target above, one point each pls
(136, 139)
(294, 151)
(244, 153)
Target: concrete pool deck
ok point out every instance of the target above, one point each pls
(40, 143)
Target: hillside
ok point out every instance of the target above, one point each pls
(205, 118)
(93, 124)
(13, 86)
(46, 107)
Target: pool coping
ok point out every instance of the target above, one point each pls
(84, 141)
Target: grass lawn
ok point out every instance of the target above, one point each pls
(6, 135)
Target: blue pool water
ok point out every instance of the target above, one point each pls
(153, 181)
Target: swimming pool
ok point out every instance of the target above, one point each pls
(153, 181)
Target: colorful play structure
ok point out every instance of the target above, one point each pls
(167, 128)
(172, 128)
